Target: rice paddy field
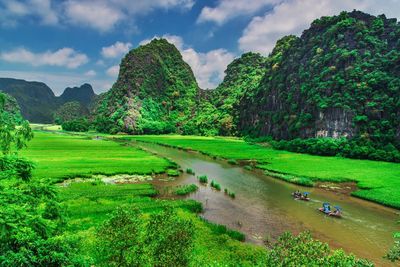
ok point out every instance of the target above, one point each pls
(58, 156)
(87, 203)
(377, 181)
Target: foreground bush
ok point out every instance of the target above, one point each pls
(129, 239)
(303, 250)
(31, 221)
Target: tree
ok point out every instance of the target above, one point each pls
(169, 239)
(14, 132)
(130, 239)
(119, 239)
(394, 253)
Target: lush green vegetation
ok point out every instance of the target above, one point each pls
(14, 131)
(303, 250)
(203, 179)
(358, 149)
(190, 171)
(173, 172)
(70, 111)
(377, 180)
(60, 156)
(229, 193)
(88, 207)
(342, 71)
(160, 101)
(76, 125)
(38, 102)
(215, 185)
(186, 189)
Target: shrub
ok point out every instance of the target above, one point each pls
(222, 229)
(303, 250)
(186, 189)
(77, 125)
(215, 185)
(168, 239)
(20, 167)
(232, 161)
(203, 179)
(172, 172)
(355, 148)
(189, 171)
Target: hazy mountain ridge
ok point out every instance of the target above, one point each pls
(38, 102)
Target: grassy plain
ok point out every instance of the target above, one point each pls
(58, 156)
(87, 205)
(377, 181)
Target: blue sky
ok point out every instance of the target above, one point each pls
(66, 43)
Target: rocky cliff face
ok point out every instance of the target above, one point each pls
(339, 79)
(155, 91)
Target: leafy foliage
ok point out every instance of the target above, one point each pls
(302, 250)
(70, 111)
(355, 148)
(14, 131)
(127, 239)
(155, 92)
(76, 125)
(31, 220)
(186, 189)
(340, 78)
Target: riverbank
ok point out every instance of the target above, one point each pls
(376, 181)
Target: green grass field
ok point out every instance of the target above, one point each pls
(378, 181)
(58, 156)
(87, 205)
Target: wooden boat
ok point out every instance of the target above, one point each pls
(326, 210)
(303, 196)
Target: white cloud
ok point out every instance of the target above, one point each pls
(116, 50)
(98, 15)
(11, 11)
(58, 82)
(90, 73)
(294, 16)
(228, 9)
(208, 67)
(104, 15)
(64, 57)
(113, 71)
(101, 15)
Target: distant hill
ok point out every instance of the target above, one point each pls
(38, 102)
(83, 94)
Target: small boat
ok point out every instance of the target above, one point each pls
(326, 209)
(337, 213)
(300, 196)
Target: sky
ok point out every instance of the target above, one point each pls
(67, 43)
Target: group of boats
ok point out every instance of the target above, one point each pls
(326, 207)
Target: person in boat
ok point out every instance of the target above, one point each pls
(336, 212)
(297, 194)
(326, 208)
(305, 195)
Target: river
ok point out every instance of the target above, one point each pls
(263, 208)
